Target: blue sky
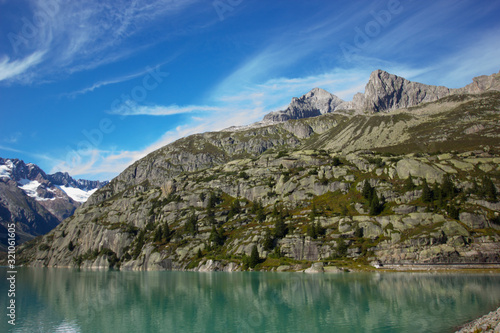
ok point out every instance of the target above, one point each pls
(89, 87)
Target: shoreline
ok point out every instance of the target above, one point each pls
(487, 323)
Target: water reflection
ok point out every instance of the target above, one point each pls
(87, 301)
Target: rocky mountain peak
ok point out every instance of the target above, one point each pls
(383, 92)
(315, 103)
(482, 83)
(17, 170)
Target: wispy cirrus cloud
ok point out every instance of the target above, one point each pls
(10, 69)
(27, 153)
(75, 36)
(103, 83)
(131, 108)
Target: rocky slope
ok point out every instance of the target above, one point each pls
(37, 202)
(297, 190)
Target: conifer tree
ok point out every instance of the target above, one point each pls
(254, 257)
(489, 190)
(166, 233)
(375, 205)
(426, 192)
(280, 229)
(409, 185)
(367, 191)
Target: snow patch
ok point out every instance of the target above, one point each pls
(6, 169)
(30, 187)
(77, 194)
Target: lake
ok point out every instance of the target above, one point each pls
(65, 300)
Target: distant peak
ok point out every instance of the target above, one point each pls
(319, 91)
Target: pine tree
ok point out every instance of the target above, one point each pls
(367, 191)
(211, 216)
(280, 229)
(268, 243)
(448, 189)
(254, 257)
(158, 234)
(235, 208)
(409, 186)
(426, 192)
(437, 195)
(489, 190)
(312, 230)
(217, 236)
(261, 216)
(376, 204)
(453, 212)
(336, 161)
(192, 224)
(166, 233)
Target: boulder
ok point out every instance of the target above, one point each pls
(415, 168)
(474, 221)
(316, 267)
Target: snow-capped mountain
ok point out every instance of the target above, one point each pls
(38, 202)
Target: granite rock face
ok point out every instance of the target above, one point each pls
(314, 103)
(386, 92)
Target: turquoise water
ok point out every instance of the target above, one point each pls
(63, 300)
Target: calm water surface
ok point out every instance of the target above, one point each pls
(63, 300)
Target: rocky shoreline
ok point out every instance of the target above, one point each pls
(487, 323)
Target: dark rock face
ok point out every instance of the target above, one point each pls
(31, 218)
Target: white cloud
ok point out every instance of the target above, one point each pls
(131, 108)
(105, 164)
(76, 36)
(105, 83)
(10, 69)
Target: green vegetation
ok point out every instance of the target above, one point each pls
(375, 204)
(192, 224)
(252, 260)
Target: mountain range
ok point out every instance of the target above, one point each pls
(35, 201)
(403, 173)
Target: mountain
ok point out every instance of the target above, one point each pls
(416, 183)
(383, 92)
(37, 202)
